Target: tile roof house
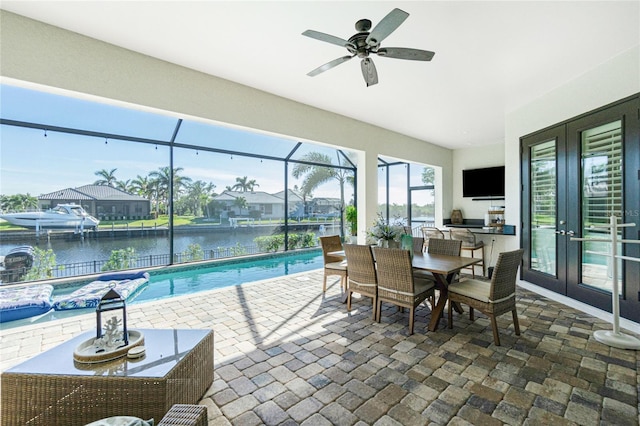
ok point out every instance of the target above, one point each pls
(101, 201)
(269, 206)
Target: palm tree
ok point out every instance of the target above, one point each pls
(199, 194)
(240, 203)
(108, 177)
(18, 202)
(244, 184)
(145, 187)
(124, 185)
(162, 179)
(316, 175)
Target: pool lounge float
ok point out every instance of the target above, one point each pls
(24, 302)
(128, 284)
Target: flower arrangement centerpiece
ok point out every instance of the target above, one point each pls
(382, 232)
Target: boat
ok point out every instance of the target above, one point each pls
(59, 217)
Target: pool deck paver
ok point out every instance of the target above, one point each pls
(287, 354)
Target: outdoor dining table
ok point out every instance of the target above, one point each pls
(444, 269)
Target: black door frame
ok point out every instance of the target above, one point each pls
(569, 189)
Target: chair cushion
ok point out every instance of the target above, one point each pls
(122, 421)
(422, 274)
(24, 302)
(474, 289)
(421, 285)
(341, 266)
(472, 246)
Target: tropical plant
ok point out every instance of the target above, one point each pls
(240, 203)
(18, 202)
(162, 180)
(124, 185)
(429, 176)
(44, 262)
(243, 184)
(383, 230)
(121, 259)
(144, 187)
(108, 177)
(269, 243)
(351, 215)
(199, 195)
(316, 174)
(238, 250)
(194, 253)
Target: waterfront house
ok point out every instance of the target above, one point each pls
(257, 204)
(102, 201)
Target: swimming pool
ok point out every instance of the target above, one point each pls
(188, 279)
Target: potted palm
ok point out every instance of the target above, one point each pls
(351, 216)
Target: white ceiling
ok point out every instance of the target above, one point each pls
(491, 57)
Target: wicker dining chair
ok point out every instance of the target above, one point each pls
(396, 283)
(492, 299)
(429, 232)
(439, 246)
(333, 265)
(362, 274)
(418, 244)
(469, 243)
(446, 247)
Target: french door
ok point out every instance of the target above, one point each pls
(575, 176)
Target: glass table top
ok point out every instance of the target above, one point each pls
(164, 349)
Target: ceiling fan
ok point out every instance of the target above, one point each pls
(364, 43)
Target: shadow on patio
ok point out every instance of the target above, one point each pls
(285, 353)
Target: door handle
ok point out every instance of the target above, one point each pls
(562, 232)
(571, 233)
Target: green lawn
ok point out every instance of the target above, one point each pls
(163, 221)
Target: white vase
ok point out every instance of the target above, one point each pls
(383, 243)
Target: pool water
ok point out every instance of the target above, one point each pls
(188, 280)
(193, 280)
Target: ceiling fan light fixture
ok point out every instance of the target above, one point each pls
(364, 43)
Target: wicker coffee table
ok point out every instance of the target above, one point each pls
(53, 389)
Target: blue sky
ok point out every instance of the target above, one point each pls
(33, 163)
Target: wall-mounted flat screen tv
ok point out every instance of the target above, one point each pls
(486, 182)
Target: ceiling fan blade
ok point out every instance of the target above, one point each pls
(405, 53)
(328, 66)
(327, 38)
(386, 26)
(369, 72)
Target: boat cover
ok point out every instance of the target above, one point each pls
(89, 295)
(24, 302)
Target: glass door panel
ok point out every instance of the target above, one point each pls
(574, 177)
(543, 208)
(601, 152)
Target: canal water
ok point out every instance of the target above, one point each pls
(76, 249)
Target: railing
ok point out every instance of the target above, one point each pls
(147, 261)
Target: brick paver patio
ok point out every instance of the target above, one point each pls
(287, 354)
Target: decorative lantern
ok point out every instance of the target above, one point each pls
(112, 301)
